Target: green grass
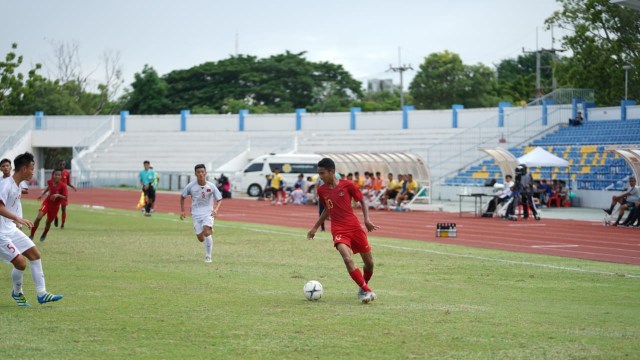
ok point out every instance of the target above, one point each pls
(138, 288)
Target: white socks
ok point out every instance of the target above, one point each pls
(16, 277)
(208, 245)
(38, 276)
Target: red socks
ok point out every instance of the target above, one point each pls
(64, 218)
(356, 275)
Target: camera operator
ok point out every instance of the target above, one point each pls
(522, 194)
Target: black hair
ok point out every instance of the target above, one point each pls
(23, 160)
(327, 163)
(55, 171)
(146, 162)
(5, 160)
(200, 166)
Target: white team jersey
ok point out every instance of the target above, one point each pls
(10, 194)
(203, 197)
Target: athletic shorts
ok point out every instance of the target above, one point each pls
(64, 202)
(150, 193)
(356, 240)
(200, 221)
(14, 244)
(51, 209)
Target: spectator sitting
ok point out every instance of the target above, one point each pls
(577, 121)
(547, 191)
(297, 196)
(358, 180)
(501, 197)
(409, 190)
(634, 216)
(628, 199)
(388, 187)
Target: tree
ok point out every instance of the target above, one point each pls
(517, 77)
(603, 37)
(11, 82)
(443, 80)
(382, 101)
(148, 94)
(280, 83)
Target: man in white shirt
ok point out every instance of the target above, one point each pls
(501, 197)
(5, 166)
(15, 246)
(626, 200)
(205, 203)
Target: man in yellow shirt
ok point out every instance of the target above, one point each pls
(390, 190)
(408, 191)
(276, 188)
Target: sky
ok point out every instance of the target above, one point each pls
(365, 36)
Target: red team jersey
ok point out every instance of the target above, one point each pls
(50, 207)
(66, 179)
(345, 226)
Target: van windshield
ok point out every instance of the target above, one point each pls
(295, 168)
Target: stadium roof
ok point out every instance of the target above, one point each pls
(633, 4)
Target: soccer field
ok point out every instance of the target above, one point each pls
(138, 288)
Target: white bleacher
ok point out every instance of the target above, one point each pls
(177, 151)
(445, 150)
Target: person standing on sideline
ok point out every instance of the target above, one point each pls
(147, 177)
(205, 203)
(348, 236)
(66, 179)
(5, 166)
(57, 190)
(277, 188)
(15, 246)
(155, 183)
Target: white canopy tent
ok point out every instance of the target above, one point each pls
(541, 157)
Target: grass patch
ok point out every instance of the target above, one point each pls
(138, 287)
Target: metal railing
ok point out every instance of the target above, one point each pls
(10, 141)
(473, 138)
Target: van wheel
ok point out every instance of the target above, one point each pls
(254, 190)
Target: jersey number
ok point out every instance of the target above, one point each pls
(11, 248)
(329, 204)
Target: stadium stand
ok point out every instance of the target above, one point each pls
(591, 165)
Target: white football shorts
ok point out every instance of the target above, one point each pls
(13, 244)
(200, 221)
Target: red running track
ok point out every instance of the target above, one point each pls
(566, 238)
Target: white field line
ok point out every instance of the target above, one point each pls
(443, 253)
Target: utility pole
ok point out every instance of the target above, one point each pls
(553, 51)
(401, 69)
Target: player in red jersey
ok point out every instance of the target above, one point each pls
(348, 236)
(66, 178)
(57, 190)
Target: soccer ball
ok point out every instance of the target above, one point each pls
(312, 290)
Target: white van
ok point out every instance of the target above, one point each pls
(252, 179)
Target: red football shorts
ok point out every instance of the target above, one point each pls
(50, 208)
(356, 240)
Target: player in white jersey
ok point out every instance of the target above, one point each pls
(15, 246)
(5, 166)
(205, 203)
